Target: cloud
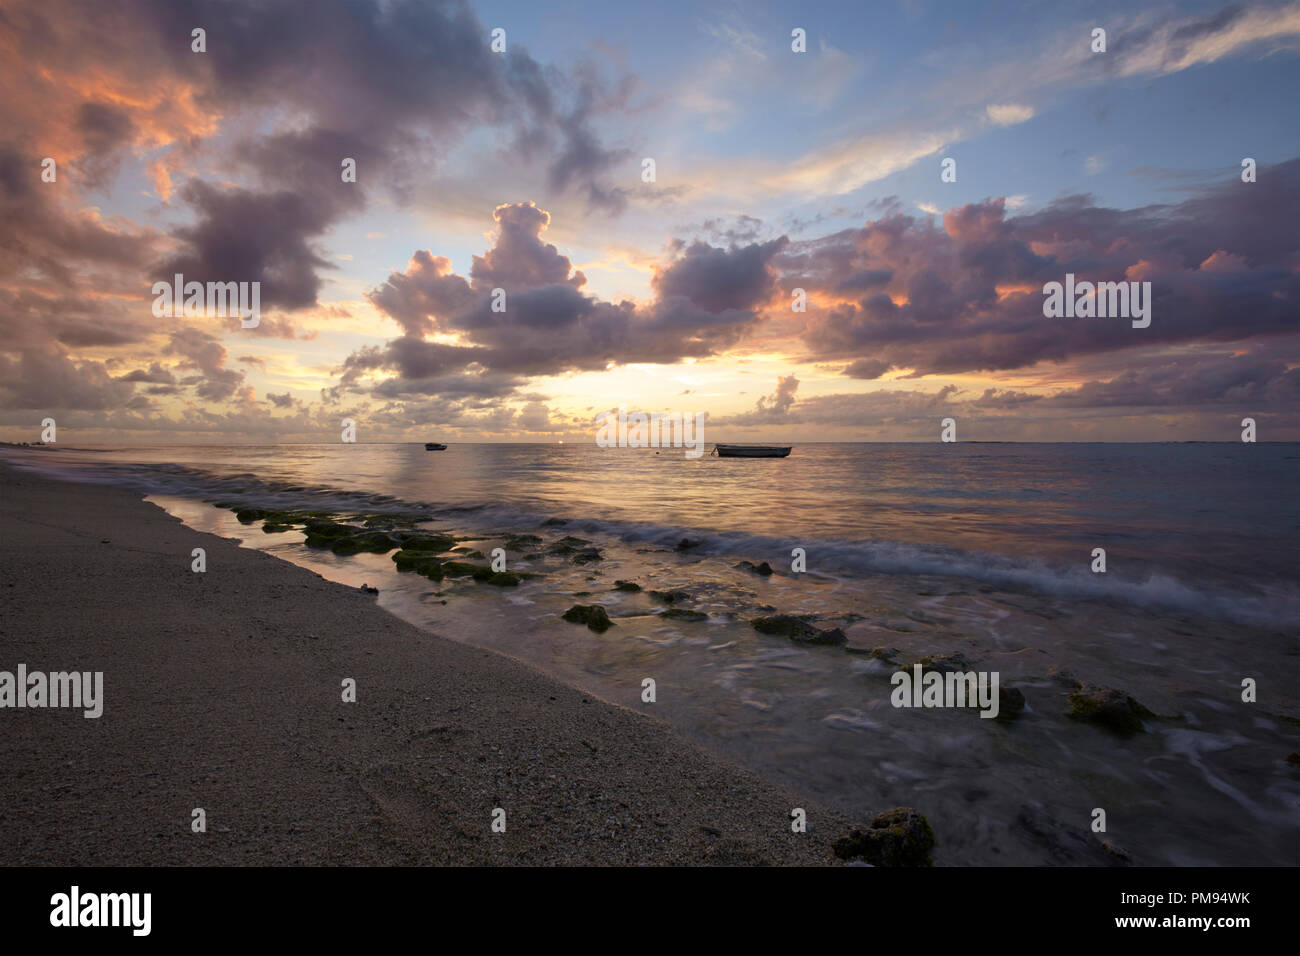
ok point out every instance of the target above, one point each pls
(1009, 114)
(706, 298)
(968, 297)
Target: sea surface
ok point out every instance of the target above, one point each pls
(980, 552)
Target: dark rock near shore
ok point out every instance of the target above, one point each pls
(630, 586)
(797, 629)
(685, 544)
(421, 562)
(423, 541)
(371, 542)
(1108, 708)
(762, 568)
(587, 556)
(682, 614)
(522, 542)
(480, 572)
(570, 545)
(1011, 701)
(943, 663)
(322, 532)
(898, 837)
(592, 615)
(669, 597)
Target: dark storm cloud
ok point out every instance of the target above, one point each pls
(969, 297)
(717, 280)
(243, 236)
(708, 298)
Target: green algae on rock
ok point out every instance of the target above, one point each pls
(592, 615)
(371, 542)
(897, 837)
(425, 541)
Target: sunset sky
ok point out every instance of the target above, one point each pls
(522, 170)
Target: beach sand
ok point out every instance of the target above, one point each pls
(222, 690)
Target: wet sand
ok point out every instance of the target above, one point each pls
(222, 690)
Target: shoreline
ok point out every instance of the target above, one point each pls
(222, 690)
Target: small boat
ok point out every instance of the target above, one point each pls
(434, 446)
(751, 451)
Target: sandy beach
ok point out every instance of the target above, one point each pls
(222, 691)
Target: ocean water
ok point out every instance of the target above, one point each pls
(977, 550)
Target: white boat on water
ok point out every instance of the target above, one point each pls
(751, 451)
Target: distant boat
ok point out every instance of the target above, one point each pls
(434, 446)
(751, 451)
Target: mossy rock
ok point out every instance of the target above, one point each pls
(630, 586)
(797, 629)
(682, 614)
(569, 545)
(399, 520)
(1108, 708)
(669, 597)
(421, 562)
(592, 615)
(587, 556)
(272, 527)
(249, 515)
(897, 837)
(436, 543)
(463, 569)
(371, 542)
(323, 528)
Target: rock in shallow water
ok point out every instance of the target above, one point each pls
(1109, 708)
(762, 567)
(592, 615)
(897, 837)
(682, 614)
(797, 629)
